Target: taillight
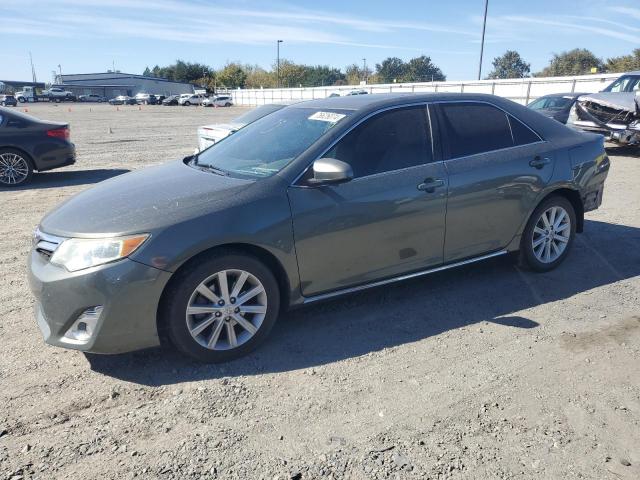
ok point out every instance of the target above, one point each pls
(62, 133)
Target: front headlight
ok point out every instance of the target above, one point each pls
(79, 253)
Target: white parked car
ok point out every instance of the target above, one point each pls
(144, 98)
(218, 101)
(187, 99)
(210, 134)
(56, 92)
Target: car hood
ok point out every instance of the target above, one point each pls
(619, 100)
(143, 201)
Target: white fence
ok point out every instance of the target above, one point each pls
(519, 90)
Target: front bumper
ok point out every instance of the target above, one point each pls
(128, 291)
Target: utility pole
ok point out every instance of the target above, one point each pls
(484, 26)
(33, 70)
(278, 62)
(60, 75)
(364, 70)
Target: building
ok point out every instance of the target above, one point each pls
(112, 84)
(16, 85)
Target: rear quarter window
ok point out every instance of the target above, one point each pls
(522, 135)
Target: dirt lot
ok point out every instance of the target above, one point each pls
(482, 372)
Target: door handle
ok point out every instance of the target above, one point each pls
(539, 162)
(430, 184)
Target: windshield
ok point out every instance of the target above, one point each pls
(555, 103)
(626, 83)
(257, 113)
(266, 146)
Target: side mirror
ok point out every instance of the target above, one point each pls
(329, 170)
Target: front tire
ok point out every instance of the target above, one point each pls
(187, 104)
(549, 234)
(221, 308)
(16, 168)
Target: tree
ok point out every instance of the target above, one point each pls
(181, 71)
(390, 70)
(147, 72)
(354, 74)
(321, 75)
(625, 63)
(208, 82)
(510, 65)
(231, 76)
(258, 77)
(420, 69)
(578, 61)
(291, 74)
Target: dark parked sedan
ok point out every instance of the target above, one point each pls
(171, 100)
(318, 199)
(8, 101)
(122, 100)
(92, 97)
(28, 144)
(556, 106)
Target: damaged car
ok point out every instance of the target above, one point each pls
(614, 112)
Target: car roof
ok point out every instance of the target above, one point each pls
(382, 100)
(363, 105)
(568, 94)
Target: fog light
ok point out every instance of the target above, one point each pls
(84, 327)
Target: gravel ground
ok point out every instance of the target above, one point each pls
(482, 372)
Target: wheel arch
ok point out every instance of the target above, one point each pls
(576, 201)
(260, 253)
(27, 155)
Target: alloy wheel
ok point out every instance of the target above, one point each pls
(14, 168)
(551, 234)
(226, 309)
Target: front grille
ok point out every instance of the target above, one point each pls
(606, 114)
(46, 244)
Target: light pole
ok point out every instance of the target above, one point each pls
(278, 62)
(484, 26)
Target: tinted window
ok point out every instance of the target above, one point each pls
(388, 141)
(472, 128)
(522, 134)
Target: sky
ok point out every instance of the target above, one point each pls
(87, 36)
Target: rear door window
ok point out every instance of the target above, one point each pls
(470, 128)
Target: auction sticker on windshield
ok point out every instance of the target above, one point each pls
(330, 117)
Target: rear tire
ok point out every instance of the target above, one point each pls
(16, 168)
(187, 104)
(224, 330)
(549, 234)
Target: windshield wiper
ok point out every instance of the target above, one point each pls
(213, 169)
(204, 166)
